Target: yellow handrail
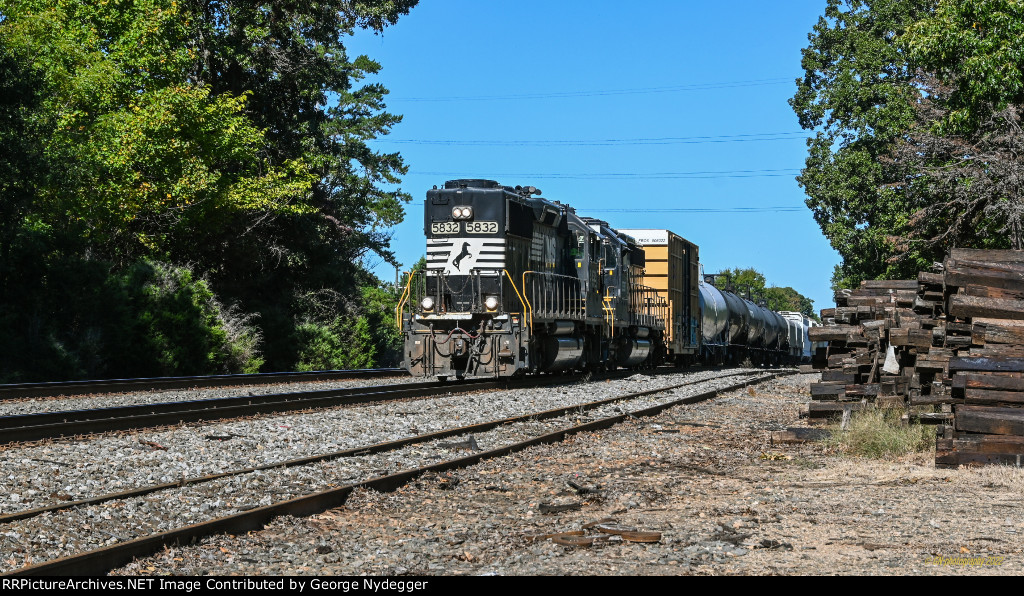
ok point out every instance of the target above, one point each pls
(529, 307)
(609, 314)
(525, 304)
(401, 301)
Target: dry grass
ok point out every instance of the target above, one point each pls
(881, 434)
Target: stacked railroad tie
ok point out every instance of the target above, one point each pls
(950, 341)
(853, 363)
(986, 290)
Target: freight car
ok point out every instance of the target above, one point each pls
(724, 327)
(517, 283)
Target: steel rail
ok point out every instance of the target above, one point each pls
(51, 425)
(55, 388)
(104, 559)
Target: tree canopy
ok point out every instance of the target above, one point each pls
(224, 142)
(857, 94)
(961, 163)
(975, 46)
(915, 107)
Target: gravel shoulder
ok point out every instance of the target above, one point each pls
(706, 476)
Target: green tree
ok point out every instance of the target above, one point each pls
(964, 182)
(289, 59)
(959, 164)
(788, 299)
(21, 165)
(140, 160)
(975, 46)
(301, 88)
(858, 94)
(226, 134)
(747, 281)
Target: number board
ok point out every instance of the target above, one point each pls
(444, 227)
(481, 227)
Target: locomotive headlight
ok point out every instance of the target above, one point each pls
(462, 212)
(427, 303)
(491, 302)
(457, 212)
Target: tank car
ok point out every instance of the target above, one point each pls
(800, 346)
(738, 330)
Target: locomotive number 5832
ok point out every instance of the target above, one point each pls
(444, 227)
(481, 227)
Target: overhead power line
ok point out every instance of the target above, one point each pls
(773, 209)
(740, 138)
(738, 210)
(625, 175)
(605, 92)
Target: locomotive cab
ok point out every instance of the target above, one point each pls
(462, 316)
(516, 283)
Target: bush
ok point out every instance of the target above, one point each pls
(80, 319)
(180, 326)
(879, 433)
(340, 344)
(379, 306)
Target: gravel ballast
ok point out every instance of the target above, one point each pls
(706, 476)
(54, 472)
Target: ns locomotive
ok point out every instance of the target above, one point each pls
(516, 283)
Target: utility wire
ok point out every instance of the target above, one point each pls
(775, 209)
(740, 138)
(628, 175)
(767, 209)
(599, 93)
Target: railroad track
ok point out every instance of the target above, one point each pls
(118, 554)
(52, 425)
(68, 388)
(70, 423)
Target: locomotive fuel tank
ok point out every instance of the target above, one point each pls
(562, 353)
(636, 352)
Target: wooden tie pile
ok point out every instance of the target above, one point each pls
(947, 347)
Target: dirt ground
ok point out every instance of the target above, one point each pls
(706, 477)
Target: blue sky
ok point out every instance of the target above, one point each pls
(649, 115)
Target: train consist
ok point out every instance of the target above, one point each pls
(516, 283)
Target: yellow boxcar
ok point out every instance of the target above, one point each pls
(673, 269)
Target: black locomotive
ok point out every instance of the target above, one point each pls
(516, 283)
